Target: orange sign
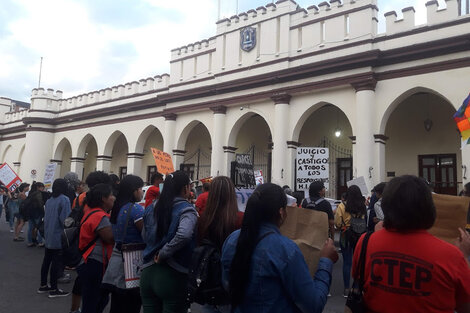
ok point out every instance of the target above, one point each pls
(163, 161)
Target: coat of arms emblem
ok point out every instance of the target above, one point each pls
(247, 38)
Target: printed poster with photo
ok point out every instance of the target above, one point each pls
(9, 178)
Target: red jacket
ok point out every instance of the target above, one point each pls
(88, 233)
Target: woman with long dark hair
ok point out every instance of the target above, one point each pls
(266, 271)
(218, 220)
(169, 229)
(221, 216)
(57, 209)
(354, 207)
(96, 242)
(127, 223)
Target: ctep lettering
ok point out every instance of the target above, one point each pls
(400, 273)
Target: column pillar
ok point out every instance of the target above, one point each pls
(38, 148)
(77, 166)
(217, 158)
(103, 163)
(229, 157)
(169, 135)
(178, 158)
(292, 169)
(379, 173)
(134, 164)
(363, 161)
(281, 171)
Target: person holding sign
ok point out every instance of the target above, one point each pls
(316, 201)
(280, 281)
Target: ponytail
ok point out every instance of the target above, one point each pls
(172, 187)
(262, 207)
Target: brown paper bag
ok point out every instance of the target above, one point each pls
(451, 214)
(309, 230)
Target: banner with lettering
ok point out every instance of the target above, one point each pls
(312, 164)
(244, 170)
(163, 161)
(9, 178)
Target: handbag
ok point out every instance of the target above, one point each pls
(355, 301)
(132, 254)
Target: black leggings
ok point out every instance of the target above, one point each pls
(52, 259)
(126, 301)
(94, 299)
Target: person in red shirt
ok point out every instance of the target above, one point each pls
(153, 192)
(202, 199)
(406, 268)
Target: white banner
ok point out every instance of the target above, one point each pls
(49, 174)
(312, 164)
(242, 197)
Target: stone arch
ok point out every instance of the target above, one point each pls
(400, 98)
(187, 130)
(61, 146)
(108, 148)
(83, 145)
(5, 153)
(235, 129)
(144, 135)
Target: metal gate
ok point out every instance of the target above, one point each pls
(261, 161)
(337, 152)
(197, 164)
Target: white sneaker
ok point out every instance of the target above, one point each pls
(11, 230)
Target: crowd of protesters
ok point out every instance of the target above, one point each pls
(406, 268)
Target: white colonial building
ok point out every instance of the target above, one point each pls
(269, 81)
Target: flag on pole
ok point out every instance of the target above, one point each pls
(462, 118)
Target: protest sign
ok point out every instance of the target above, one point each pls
(312, 164)
(163, 161)
(8, 177)
(242, 197)
(244, 170)
(49, 175)
(309, 230)
(259, 177)
(361, 183)
(451, 213)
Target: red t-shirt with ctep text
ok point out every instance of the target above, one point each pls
(413, 272)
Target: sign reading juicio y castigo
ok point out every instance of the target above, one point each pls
(312, 164)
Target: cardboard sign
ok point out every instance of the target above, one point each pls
(451, 213)
(242, 197)
(9, 178)
(244, 170)
(361, 183)
(312, 164)
(259, 177)
(49, 175)
(309, 230)
(163, 161)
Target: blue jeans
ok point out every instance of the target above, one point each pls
(34, 223)
(347, 253)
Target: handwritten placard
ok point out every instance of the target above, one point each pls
(163, 161)
(312, 164)
(49, 174)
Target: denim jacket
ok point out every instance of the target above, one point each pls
(178, 244)
(279, 277)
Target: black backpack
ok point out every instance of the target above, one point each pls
(205, 276)
(70, 238)
(357, 227)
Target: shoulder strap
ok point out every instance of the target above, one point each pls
(319, 201)
(91, 243)
(362, 258)
(127, 222)
(89, 214)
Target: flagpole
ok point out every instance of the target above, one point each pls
(40, 72)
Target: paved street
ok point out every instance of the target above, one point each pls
(20, 278)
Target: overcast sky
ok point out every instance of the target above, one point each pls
(88, 45)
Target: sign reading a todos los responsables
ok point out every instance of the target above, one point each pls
(312, 164)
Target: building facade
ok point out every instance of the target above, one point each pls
(271, 80)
